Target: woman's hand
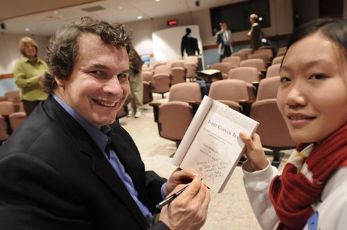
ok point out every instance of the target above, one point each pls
(256, 159)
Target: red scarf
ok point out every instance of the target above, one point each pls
(292, 193)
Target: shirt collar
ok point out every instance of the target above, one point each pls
(99, 137)
(38, 60)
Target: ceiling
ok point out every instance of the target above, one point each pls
(43, 17)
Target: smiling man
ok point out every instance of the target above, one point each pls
(70, 166)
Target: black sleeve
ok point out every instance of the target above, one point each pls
(196, 45)
(153, 184)
(34, 196)
(182, 47)
(219, 39)
(159, 226)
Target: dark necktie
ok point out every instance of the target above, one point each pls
(107, 131)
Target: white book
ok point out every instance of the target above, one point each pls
(211, 145)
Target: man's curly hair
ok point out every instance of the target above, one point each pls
(63, 46)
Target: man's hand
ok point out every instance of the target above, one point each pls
(189, 210)
(179, 177)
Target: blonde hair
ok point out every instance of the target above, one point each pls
(25, 41)
(253, 16)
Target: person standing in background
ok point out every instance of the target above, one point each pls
(28, 72)
(224, 41)
(255, 32)
(189, 44)
(135, 79)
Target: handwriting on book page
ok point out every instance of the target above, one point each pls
(215, 149)
(212, 167)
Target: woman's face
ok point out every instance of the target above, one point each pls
(30, 51)
(312, 96)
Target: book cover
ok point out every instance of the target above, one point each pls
(211, 146)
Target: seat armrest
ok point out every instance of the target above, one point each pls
(255, 83)
(195, 105)
(155, 106)
(246, 106)
(262, 74)
(256, 86)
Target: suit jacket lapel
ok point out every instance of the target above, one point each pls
(133, 164)
(105, 172)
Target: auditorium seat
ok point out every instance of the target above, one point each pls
(230, 92)
(248, 74)
(272, 129)
(281, 51)
(267, 88)
(223, 67)
(16, 119)
(273, 70)
(178, 75)
(277, 60)
(6, 108)
(173, 117)
(257, 63)
(3, 130)
(233, 60)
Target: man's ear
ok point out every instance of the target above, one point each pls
(60, 82)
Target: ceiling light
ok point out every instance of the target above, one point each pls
(157, 0)
(139, 17)
(27, 29)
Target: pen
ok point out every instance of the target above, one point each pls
(170, 198)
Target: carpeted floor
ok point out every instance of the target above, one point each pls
(228, 210)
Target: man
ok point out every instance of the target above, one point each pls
(189, 44)
(136, 82)
(28, 72)
(70, 166)
(224, 41)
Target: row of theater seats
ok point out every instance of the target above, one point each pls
(160, 76)
(12, 114)
(173, 117)
(263, 60)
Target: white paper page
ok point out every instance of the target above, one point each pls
(192, 130)
(217, 146)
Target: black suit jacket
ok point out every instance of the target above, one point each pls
(256, 37)
(53, 176)
(190, 45)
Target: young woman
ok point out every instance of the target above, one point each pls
(310, 192)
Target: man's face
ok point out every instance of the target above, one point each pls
(223, 26)
(98, 85)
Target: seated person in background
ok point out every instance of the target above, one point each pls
(71, 166)
(189, 44)
(311, 190)
(28, 72)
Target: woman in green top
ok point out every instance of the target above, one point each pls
(28, 72)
